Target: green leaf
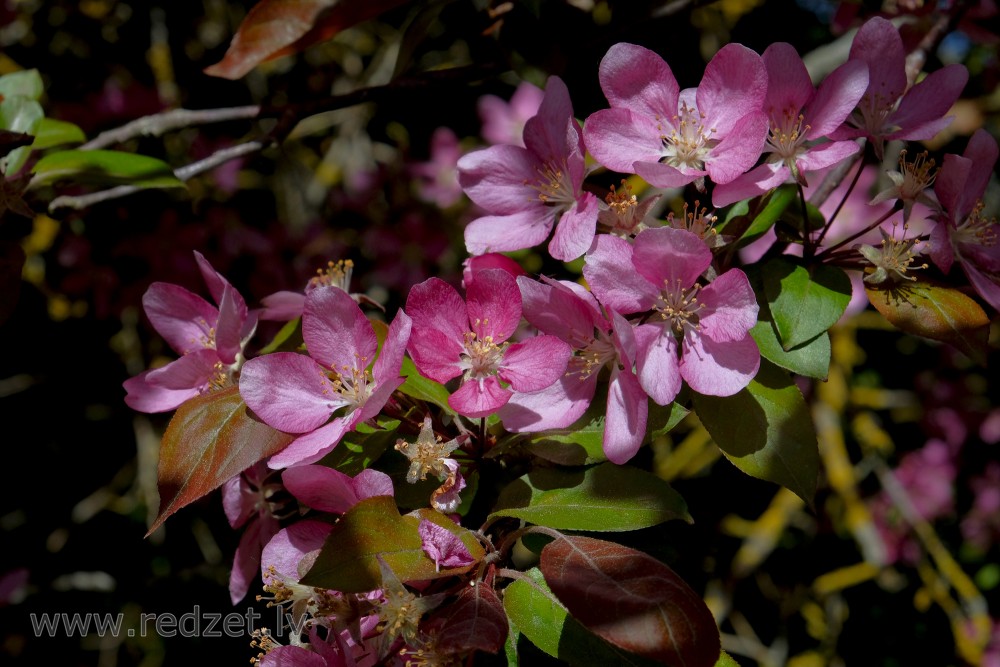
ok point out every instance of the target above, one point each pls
(805, 301)
(106, 168)
(18, 114)
(538, 615)
(52, 132)
(423, 389)
(777, 202)
(348, 561)
(605, 497)
(283, 336)
(811, 358)
(766, 431)
(25, 83)
(209, 440)
(663, 418)
(359, 450)
(936, 312)
(726, 660)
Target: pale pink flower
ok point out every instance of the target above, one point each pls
(525, 191)
(698, 333)
(285, 305)
(963, 233)
(437, 179)
(298, 394)
(800, 116)
(210, 340)
(672, 137)
(329, 490)
(452, 338)
(503, 122)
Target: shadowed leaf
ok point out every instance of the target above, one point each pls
(804, 301)
(106, 167)
(475, 621)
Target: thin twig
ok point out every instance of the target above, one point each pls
(158, 124)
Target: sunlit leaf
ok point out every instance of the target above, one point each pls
(275, 28)
(776, 204)
(936, 312)
(538, 615)
(804, 300)
(419, 387)
(18, 114)
(474, 621)
(52, 132)
(605, 497)
(766, 431)
(348, 561)
(811, 358)
(631, 600)
(25, 83)
(106, 168)
(209, 440)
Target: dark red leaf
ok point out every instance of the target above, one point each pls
(475, 621)
(209, 440)
(275, 28)
(631, 600)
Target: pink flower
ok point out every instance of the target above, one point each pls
(209, 339)
(963, 233)
(329, 490)
(503, 123)
(247, 501)
(672, 137)
(298, 394)
(454, 338)
(285, 306)
(443, 546)
(889, 110)
(568, 311)
(491, 260)
(708, 325)
(800, 115)
(437, 179)
(525, 191)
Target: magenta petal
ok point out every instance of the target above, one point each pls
(555, 309)
(282, 306)
(321, 488)
(556, 406)
(670, 256)
(504, 233)
(755, 182)
(499, 178)
(625, 427)
(545, 133)
(664, 176)
(730, 307)
(494, 305)
(789, 87)
(535, 363)
(985, 285)
(370, 483)
(436, 354)
(836, 98)
(442, 546)
(827, 155)
(931, 98)
(656, 362)
(612, 277)
(740, 149)
(734, 85)
(479, 398)
(229, 328)
(183, 318)
(434, 304)
(617, 138)
(144, 397)
(878, 44)
(718, 369)
(378, 398)
(246, 561)
(287, 549)
(289, 391)
(575, 229)
(950, 186)
(293, 656)
(337, 334)
(193, 370)
(635, 78)
(390, 359)
(941, 251)
(313, 446)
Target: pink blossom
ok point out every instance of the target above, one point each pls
(285, 305)
(672, 137)
(490, 260)
(247, 501)
(443, 546)
(210, 340)
(800, 116)
(503, 122)
(452, 338)
(963, 232)
(437, 179)
(329, 490)
(526, 191)
(568, 311)
(706, 325)
(890, 109)
(298, 394)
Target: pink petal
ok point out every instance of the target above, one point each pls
(434, 304)
(290, 546)
(789, 87)
(612, 277)
(283, 306)
(193, 370)
(229, 328)
(730, 307)
(494, 305)
(826, 155)
(499, 178)
(545, 133)
(949, 186)
(436, 354)
(390, 359)
(535, 363)
(664, 176)
(657, 363)
(627, 410)
(246, 561)
(930, 99)
(370, 482)
(985, 285)
(618, 137)
(665, 255)
(144, 397)
(479, 398)
(941, 251)
(734, 85)
(575, 229)
(289, 391)
(443, 546)
(180, 316)
(504, 233)
(314, 445)
(556, 406)
(718, 369)
(293, 656)
(321, 488)
(336, 333)
(755, 182)
(837, 96)
(740, 149)
(555, 309)
(635, 78)
(878, 44)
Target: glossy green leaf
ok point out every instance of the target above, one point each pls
(541, 618)
(631, 600)
(605, 497)
(25, 83)
(766, 431)
(424, 389)
(804, 300)
(361, 448)
(18, 114)
(576, 445)
(726, 660)
(811, 358)
(936, 312)
(209, 440)
(777, 203)
(52, 132)
(348, 561)
(663, 418)
(106, 168)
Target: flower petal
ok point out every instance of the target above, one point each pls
(657, 363)
(479, 398)
(289, 391)
(556, 406)
(142, 396)
(730, 307)
(504, 233)
(666, 255)
(612, 277)
(494, 305)
(184, 319)
(314, 445)
(718, 369)
(535, 363)
(617, 138)
(575, 229)
(336, 333)
(627, 410)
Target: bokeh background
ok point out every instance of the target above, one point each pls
(897, 558)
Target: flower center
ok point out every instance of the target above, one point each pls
(892, 259)
(678, 306)
(689, 142)
(353, 385)
(786, 138)
(481, 357)
(554, 185)
(336, 274)
(917, 175)
(976, 229)
(593, 356)
(625, 218)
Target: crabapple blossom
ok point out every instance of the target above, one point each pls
(503, 122)
(706, 326)
(672, 137)
(298, 394)
(249, 502)
(525, 191)
(453, 337)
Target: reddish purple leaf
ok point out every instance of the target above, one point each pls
(275, 28)
(631, 600)
(475, 621)
(210, 439)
